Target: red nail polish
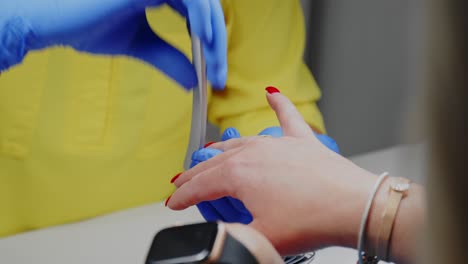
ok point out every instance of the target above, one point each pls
(175, 177)
(209, 144)
(272, 90)
(167, 200)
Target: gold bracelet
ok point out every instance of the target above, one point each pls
(398, 190)
(364, 258)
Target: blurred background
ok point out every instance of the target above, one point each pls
(367, 57)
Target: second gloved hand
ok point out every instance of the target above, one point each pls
(113, 27)
(228, 209)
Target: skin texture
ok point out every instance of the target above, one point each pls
(277, 178)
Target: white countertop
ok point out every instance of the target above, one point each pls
(124, 237)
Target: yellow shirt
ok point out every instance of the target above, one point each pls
(84, 135)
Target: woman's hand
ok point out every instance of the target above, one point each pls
(228, 209)
(302, 195)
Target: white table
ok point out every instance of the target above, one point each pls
(124, 237)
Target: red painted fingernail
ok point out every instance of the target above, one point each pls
(167, 200)
(272, 90)
(175, 177)
(209, 144)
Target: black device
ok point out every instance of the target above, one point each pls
(198, 244)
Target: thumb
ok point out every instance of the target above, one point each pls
(289, 118)
(151, 49)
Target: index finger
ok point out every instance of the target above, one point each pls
(210, 185)
(204, 166)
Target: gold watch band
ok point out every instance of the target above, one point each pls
(397, 191)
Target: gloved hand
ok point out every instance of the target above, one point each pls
(113, 27)
(228, 209)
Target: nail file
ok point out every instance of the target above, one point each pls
(199, 105)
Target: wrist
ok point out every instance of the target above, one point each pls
(346, 232)
(403, 227)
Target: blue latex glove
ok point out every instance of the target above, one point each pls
(113, 27)
(229, 209)
(226, 209)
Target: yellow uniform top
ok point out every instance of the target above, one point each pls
(84, 135)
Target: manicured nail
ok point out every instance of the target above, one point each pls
(209, 144)
(167, 200)
(272, 90)
(175, 177)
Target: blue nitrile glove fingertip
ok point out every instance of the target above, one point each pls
(217, 75)
(194, 163)
(217, 50)
(224, 207)
(199, 15)
(275, 131)
(205, 154)
(244, 214)
(236, 203)
(216, 84)
(230, 133)
(209, 212)
(222, 76)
